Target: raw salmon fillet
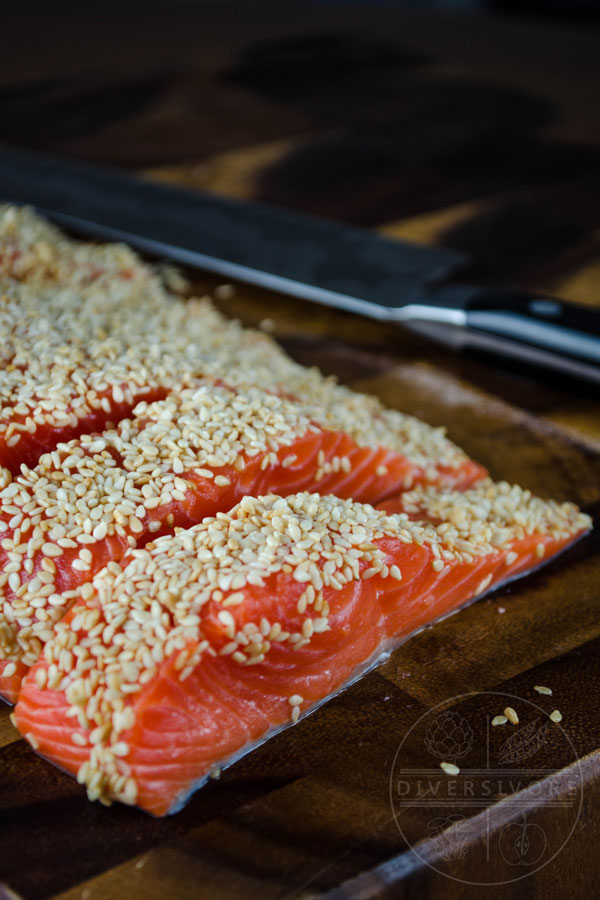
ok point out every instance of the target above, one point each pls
(194, 649)
(90, 330)
(191, 455)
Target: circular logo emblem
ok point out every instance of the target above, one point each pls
(468, 783)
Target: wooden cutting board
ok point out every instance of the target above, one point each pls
(351, 802)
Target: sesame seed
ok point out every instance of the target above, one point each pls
(485, 583)
(543, 690)
(120, 748)
(51, 550)
(31, 738)
(499, 720)
(511, 715)
(555, 716)
(234, 599)
(225, 618)
(449, 768)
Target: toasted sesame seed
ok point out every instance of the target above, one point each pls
(31, 738)
(511, 715)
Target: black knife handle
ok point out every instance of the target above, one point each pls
(548, 324)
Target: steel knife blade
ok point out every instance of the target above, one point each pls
(350, 268)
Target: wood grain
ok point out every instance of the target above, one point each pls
(478, 134)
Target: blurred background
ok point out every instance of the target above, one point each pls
(470, 124)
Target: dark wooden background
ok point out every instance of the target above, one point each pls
(473, 132)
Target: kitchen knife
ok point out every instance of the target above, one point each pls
(345, 267)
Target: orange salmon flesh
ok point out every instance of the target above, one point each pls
(207, 640)
(180, 459)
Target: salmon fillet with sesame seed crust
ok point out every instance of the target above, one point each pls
(191, 455)
(194, 649)
(90, 330)
(74, 363)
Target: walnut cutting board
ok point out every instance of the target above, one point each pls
(477, 133)
(310, 812)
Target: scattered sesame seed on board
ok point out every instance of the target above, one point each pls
(555, 716)
(511, 715)
(499, 720)
(541, 689)
(449, 768)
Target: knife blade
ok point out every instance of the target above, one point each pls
(315, 259)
